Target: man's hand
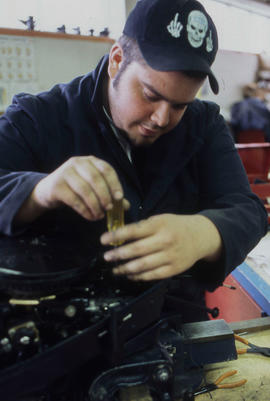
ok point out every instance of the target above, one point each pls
(86, 184)
(163, 246)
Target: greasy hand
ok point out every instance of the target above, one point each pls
(85, 183)
(162, 246)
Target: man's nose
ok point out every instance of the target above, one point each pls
(161, 115)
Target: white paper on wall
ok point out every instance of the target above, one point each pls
(17, 68)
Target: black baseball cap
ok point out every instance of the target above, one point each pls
(174, 35)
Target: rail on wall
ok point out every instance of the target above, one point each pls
(53, 35)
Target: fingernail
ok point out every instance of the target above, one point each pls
(118, 195)
(104, 239)
(108, 256)
(109, 206)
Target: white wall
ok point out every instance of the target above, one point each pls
(62, 60)
(129, 5)
(233, 70)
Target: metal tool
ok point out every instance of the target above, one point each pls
(254, 349)
(115, 218)
(217, 383)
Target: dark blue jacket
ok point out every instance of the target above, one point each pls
(193, 169)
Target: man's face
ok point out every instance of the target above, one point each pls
(147, 103)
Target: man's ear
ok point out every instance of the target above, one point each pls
(115, 60)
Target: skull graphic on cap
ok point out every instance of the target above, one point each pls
(197, 26)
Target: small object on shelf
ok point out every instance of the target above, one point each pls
(30, 23)
(61, 29)
(91, 32)
(77, 30)
(105, 32)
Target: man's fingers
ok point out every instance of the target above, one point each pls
(127, 233)
(72, 200)
(126, 204)
(161, 272)
(110, 177)
(85, 195)
(100, 176)
(92, 176)
(132, 250)
(142, 264)
(87, 184)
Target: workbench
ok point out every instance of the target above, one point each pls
(253, 367)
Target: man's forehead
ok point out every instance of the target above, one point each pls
(172, 99)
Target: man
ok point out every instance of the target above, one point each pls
(133, 130)
(251, 113)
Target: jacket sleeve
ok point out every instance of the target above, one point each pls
(227, 200)
(19, 167)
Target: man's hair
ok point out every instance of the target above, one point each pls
(131, 52)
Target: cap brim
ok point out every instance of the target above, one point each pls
(213, 83)
(174, 60)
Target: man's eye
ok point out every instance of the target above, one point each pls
(150, 97)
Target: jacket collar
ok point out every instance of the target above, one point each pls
(98, 77)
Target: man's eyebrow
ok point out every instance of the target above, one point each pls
(150, 87)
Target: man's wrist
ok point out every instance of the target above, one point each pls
(208, 239)
(29, 211)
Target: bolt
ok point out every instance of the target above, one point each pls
(70, 311)
(6, 344)
(25, 340)
(188, 396)
(163, 374)
(4, 341)
(92, 306)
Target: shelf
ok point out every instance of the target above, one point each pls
(53, 35)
